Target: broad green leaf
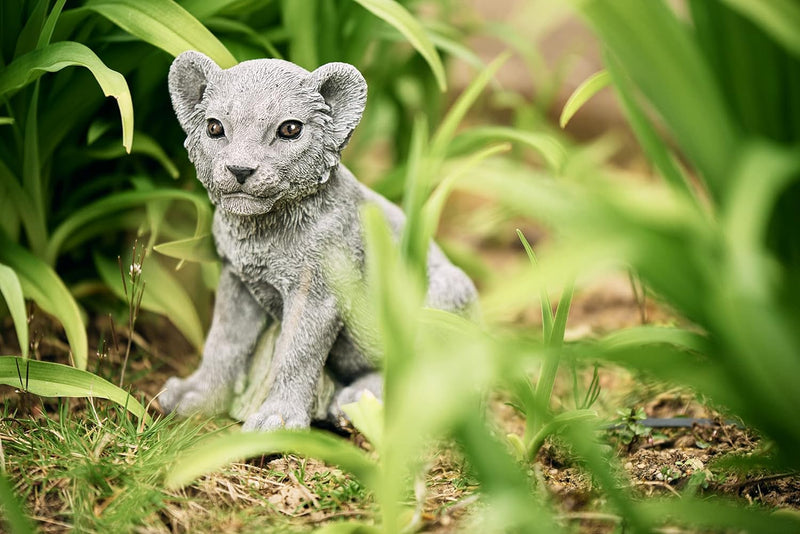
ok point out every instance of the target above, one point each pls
(218, 451)
(366, 414)
(722, 516)
(163, 294)
(40, 283)
(48, 379)
(655, 148)
(546, 145)
(300, 19)
(200, 249)
(667, 65)
(57, 56)
(164, 24)
(779, 18)
(121, 201)
(398, 17)
(447, 129)
(234, 26)
(11, 290)
(142, 144)
(585, 91)
(203, 8)
(763, 173)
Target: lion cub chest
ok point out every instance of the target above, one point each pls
(271, 265)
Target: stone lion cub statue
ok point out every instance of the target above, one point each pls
(266, 138)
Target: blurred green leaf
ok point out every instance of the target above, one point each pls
(116, 202)
(40, 283)
(13, 514)
(779, 18)
(48, 379)
(163, 294)
(11, 290)
(455, 115)
(551, 150)
(546, 306)
(54, 57)
(585, 91)
(164, 24)
(200, 249)
(6, 120)
(432, 210)
(655, 148)
(667, 65)
(300, 19)
(367, 417)
(719, 514)
(142, 144)
(219, 451)
(398, 17)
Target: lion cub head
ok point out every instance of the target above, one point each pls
(265, 133)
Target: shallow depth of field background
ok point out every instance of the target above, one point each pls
(619, 178)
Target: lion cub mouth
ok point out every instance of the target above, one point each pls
(244, 204)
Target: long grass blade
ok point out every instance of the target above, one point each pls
(219, 451)
(54, 57)
(164, 24)
(48, 379)
(447, 129)
(40, 283)
(11, 290)
(398, 17)
(585, 91)
(546, 306)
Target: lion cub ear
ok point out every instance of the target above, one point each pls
(345, 92)
(189, 76)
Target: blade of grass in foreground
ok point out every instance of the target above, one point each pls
(48, 379)
(41, 283)
(11, 290)
(12, 512)
(219, 451)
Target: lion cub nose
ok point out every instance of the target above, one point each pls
(241, 173)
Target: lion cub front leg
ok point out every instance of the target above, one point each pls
(237, 323)
(310, 325)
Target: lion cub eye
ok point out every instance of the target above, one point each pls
(215, 128)
(290, 129)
